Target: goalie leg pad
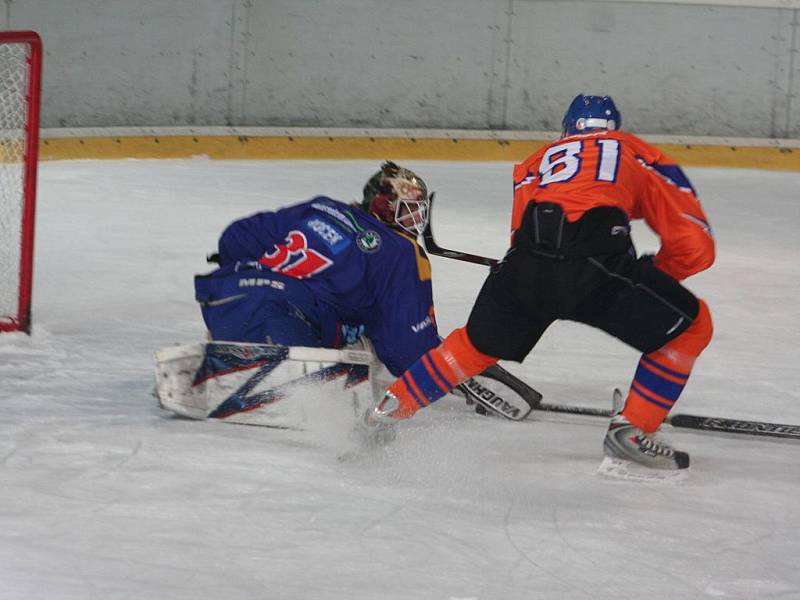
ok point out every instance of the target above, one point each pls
(244, 383)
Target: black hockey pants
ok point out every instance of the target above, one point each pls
(626, 297)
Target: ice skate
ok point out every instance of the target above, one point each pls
(630, 453)
(377, 426)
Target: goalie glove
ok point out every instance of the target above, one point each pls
(352, 333)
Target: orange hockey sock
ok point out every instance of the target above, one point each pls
(437, 372)
(662, 375)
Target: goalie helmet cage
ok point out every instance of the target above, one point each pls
(20, 86)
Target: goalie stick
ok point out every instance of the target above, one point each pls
(433, 248)
(689, 421)
(496, 390)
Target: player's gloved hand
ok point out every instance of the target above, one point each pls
(351, 333)
(647, 258)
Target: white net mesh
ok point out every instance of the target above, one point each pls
(13, 111)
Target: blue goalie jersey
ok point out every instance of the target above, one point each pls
(340, 266)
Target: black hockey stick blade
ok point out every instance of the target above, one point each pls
(500, 392)
(433, 248)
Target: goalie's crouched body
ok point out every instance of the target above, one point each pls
(321, 273)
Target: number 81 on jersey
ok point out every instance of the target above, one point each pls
(563, 162)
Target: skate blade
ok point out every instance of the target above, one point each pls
(616, 468)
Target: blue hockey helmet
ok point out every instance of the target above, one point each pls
(590, 112)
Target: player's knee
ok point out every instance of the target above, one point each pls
(697, 336)
(703, 327)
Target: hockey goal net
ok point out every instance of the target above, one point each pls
(20, 84)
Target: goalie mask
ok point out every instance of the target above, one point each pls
(398, 197)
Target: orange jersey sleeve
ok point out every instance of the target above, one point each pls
(616, 168)
(675, 214)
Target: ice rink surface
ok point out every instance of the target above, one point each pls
(105, 496)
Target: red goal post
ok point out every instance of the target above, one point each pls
(20, 89)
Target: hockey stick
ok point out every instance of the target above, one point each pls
(433, 248)
(723, 425)
(493, 390)
(719, 424)
(687, 421)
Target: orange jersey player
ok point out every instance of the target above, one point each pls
(571, 257)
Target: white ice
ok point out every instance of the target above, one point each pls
(104, 495)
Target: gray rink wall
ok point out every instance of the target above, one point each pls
(679, 69)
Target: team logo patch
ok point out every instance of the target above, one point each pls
(368, 241)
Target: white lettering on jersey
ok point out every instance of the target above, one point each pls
(560, 163)
(261, 282)
(325, 231)
(608, 165)
(424, 324)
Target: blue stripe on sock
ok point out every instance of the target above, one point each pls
(418, 400)
(676, 374)
(644, 394)
(439, 374)
(656, 384)
(425, 382)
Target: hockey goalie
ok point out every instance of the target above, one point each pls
(318, 292)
